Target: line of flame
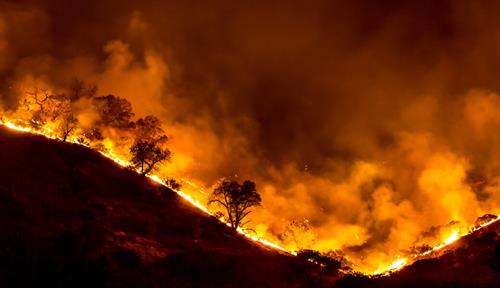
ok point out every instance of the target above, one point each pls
(112, 156)
(396, 265)
(401, 262)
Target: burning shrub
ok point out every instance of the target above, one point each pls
(480, 221)
(328, 261)
(298, 235)
(219, 216)
(173, 184)
(419, 249)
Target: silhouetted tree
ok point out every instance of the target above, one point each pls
(45, 106)
(79, 89)
(114, 111)
(236, 199)
(149, 148)
(37, 100)
(149, 128)
(93, 134)
(485, 219)
(146, 155)
(67, 125)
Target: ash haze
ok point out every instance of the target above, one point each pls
(373, 120)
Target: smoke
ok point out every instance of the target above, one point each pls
(374, 121)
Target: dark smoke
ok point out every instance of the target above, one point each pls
(348, 113)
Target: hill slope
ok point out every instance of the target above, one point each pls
(72, 218)
(471, 261)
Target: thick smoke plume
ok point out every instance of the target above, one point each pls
(373, 121)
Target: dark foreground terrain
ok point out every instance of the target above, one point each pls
(472, 261)
(72, 218)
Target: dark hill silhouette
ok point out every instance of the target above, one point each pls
(72, 218)
(471, 261)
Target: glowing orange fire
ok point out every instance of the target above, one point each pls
(453, 237)
(113, 156)
(383, 269)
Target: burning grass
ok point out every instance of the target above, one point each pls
(110, 154)
(384, 269)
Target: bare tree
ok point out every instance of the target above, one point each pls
(236, 199)
(47, 107)
(67, 125)
(36, 100)
(40, 103)
(79, 89)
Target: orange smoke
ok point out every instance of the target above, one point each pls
(375, 124)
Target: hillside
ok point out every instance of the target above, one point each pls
(72, 218)
(471, 261)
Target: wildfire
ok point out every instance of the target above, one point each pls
(455, 235)
(394, 266)
(451, 238)
(109, 153)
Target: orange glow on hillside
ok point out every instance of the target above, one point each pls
(110, 154)
(382, 269)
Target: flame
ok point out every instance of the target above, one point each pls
(452, 238)
(396, 265)
(455, 235)
(383, 269)
(110, 154)
(401, 262)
